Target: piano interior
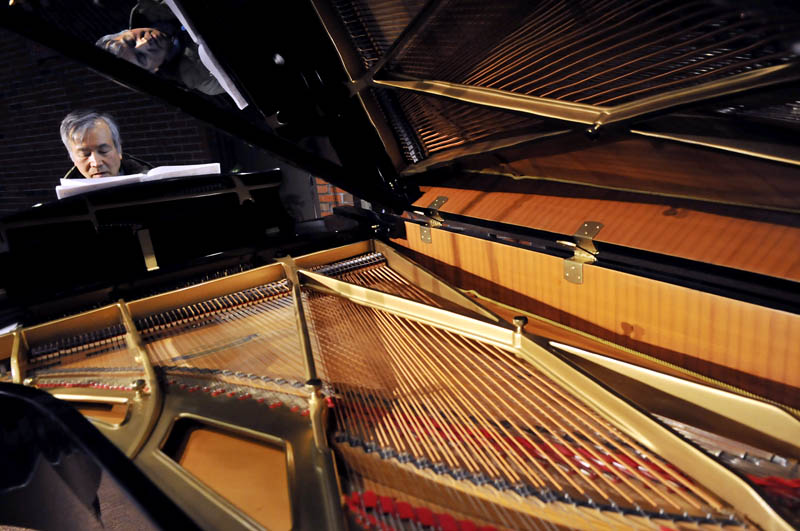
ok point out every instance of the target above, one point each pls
(582, 314)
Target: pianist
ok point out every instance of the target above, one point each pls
(171, 54)
(93, 142)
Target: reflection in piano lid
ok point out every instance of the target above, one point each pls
(572, 302)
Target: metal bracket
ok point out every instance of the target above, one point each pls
(583, 251)
(433, 218)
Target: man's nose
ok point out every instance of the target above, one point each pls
(93, 159)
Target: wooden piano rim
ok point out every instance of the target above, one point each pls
(748, 245)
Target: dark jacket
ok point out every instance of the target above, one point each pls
(128, 166)
(183, 62)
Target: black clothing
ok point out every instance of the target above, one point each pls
(183, 62)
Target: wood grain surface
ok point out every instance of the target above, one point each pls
(743, 344)
(250, 474)
(652, 166)
(753, 245)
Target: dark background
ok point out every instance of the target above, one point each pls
(38, 87)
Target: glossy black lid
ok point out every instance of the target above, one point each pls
(406, 89)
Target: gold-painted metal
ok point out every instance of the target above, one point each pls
(149, 404)
(290, 269)
(138, 388)
(761, 150)
(185, 481)
(476, 148)
(636, 354)
(723, 87)
(422, 278)
(594, 115)
(647, 431)
(72, 325)
(333, 255)
(97, 396)
(17, 358)
(205, 291)
(237, 282)
(124, 434)
(417, 311)
(311, 473)
(318, 412)
(317, 405)
(149, 254)
(572, 112)
(626, 417)
(768, 419)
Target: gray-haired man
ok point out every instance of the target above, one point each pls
(93, 142)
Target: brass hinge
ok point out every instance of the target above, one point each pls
(583, 251)
(433, 218)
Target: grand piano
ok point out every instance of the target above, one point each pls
(566, 295)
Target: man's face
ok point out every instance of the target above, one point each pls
(96, 155)
(145, 47)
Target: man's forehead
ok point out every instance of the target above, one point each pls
(97, 134)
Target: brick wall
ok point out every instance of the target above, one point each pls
(39, 87)
(330, 196)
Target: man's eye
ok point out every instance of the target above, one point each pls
(130, 42)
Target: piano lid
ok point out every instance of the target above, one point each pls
(403, 88)
(687, 112)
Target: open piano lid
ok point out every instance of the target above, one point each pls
(686, 112)
(672, 125)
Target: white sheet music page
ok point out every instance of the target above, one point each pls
(70, 187)
(208, 59)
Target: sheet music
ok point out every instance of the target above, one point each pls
(70, 187)
(208, 60)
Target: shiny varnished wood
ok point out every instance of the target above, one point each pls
(250, 474)
(653, 166)
(658, 226)
(733, 341)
